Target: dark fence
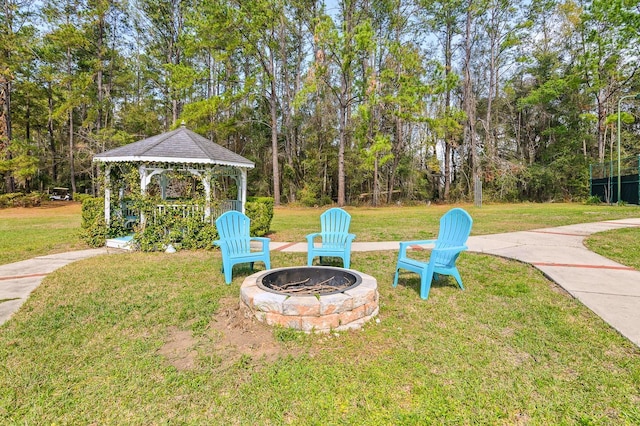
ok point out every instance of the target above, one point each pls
(604, 183)
(607, 189)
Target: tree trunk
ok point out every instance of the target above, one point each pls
(5, 101)
(469, 105)
(5, 96)
(493, 40)
(397, 150)
(72, 169)
(341, 145)
(602, 117)
(287, 97)
(448, 142)
(99, 75)
(375, 200)
(50, 135)
(273, 104)
(5, 128)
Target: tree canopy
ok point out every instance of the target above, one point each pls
(346, 101)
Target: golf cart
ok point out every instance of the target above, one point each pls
(60, 194)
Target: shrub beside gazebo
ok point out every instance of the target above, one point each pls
(169, 188)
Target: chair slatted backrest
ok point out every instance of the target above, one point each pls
(455, 227)
(334, 226)
(234, 230)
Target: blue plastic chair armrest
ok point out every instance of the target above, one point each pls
(453, 249)
(405, 244)
(311, 237)
(264, 240)
(418, 242)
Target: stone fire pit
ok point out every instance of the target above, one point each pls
(311, 298)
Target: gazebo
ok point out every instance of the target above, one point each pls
(179, 150)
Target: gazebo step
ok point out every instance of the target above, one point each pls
(123, 243)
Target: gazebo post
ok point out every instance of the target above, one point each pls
(145, 180)
(206, 183)
(142, 170)
(242, 188)
(107, 194)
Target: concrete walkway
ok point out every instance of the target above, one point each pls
(18, 280)
(609, 289)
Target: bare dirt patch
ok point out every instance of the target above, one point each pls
(231, 336)
(46, 209)
(179, 349)
(239, 335)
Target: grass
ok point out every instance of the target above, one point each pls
(510, 349)
(418, 222)
(621, 245)
(55, 227)
(31, 232)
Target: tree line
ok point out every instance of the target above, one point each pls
(346, 101)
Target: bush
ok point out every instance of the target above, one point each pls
(18, 199)
(310, 196)
(81, 197)
(172, 228)
(94, 228)
(593, 200)
(260, 211)
(186, 232)
(6, 200)
(201, 237)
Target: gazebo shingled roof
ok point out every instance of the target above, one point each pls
(177, 146)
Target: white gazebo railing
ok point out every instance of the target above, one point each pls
(132, 217)
(226, 206)
(183, 210)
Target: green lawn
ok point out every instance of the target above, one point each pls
(417, 222)
(31, 232)
(55, 227)
(143, 338)
(87, 348)
(621, 245)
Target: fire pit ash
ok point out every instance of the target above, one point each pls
(311, 298)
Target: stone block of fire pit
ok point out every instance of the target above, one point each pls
(311, 310)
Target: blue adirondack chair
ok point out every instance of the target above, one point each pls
(235, 243)
(455, 227)
(335, 239)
